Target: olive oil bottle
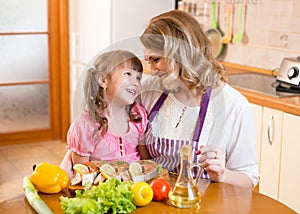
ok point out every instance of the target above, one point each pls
(185, 193)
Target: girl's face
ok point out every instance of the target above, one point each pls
(123, 85)
(157, 63)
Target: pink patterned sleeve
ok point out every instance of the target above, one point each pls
(140, 110)
(79, 137)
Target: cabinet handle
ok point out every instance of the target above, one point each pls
(271, 122)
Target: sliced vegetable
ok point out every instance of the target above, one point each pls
(135, 169)
(81, 168)
(108, 171)
(33, 198)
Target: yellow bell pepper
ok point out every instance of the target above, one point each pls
(49, 178)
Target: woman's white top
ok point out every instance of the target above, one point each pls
(229, 124)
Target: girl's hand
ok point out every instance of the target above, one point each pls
(213, 160)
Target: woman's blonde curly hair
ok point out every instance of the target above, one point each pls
(179, 38)
(95, 104)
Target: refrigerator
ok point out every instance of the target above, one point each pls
(97, 25)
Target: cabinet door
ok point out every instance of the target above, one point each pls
(289, 189)
(270, 152)
(257, 112)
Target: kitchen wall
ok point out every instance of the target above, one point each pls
(273, 28)
(95, 25)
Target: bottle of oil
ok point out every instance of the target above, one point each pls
(185, 192)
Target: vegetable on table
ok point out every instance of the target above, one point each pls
(49, 178)
(111, 196)
(161, 188)
(33, 198)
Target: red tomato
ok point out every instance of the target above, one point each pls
(161, 189)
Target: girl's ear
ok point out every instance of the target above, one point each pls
(103, 83)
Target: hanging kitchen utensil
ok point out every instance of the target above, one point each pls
(213, 33)
(239, 35)
(227, 38)
(224, 47)
(245, 38)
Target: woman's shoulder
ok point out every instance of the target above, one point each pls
(228, 99)
(229, 94)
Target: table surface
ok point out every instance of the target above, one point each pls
(216, 198)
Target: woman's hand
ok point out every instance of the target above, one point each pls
(213, 160)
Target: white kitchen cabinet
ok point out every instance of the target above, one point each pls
(277, 148)
(270, 152)
(289, 188)
(257, 113)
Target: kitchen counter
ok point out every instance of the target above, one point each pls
(286, 104)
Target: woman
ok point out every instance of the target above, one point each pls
(197, 107)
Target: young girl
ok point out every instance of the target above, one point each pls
(112, 121)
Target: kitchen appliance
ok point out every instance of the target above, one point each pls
(288, 77)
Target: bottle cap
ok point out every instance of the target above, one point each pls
(186, 150)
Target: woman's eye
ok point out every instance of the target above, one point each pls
(155, 59)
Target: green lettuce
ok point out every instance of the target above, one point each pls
(111, 196)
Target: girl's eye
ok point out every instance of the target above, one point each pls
(139, 78)
(127, 73)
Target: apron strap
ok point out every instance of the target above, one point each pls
(157, 106)
(202, 115)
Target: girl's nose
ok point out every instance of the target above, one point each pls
(136, 82)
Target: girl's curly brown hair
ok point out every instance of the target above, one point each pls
(95, 104)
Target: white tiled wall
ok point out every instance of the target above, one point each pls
(273, 27)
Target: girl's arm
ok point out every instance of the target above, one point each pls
(143, 152)
(76, 158)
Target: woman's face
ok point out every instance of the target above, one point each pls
(168, 79)
(157, 63)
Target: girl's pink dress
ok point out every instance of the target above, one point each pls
(111, 147)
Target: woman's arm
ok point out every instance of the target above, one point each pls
(214, 163)
(239, 166)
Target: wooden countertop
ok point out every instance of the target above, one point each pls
(287, 104)
(216, 198)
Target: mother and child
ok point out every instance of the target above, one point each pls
(186, 101)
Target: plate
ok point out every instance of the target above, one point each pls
(150, 170)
